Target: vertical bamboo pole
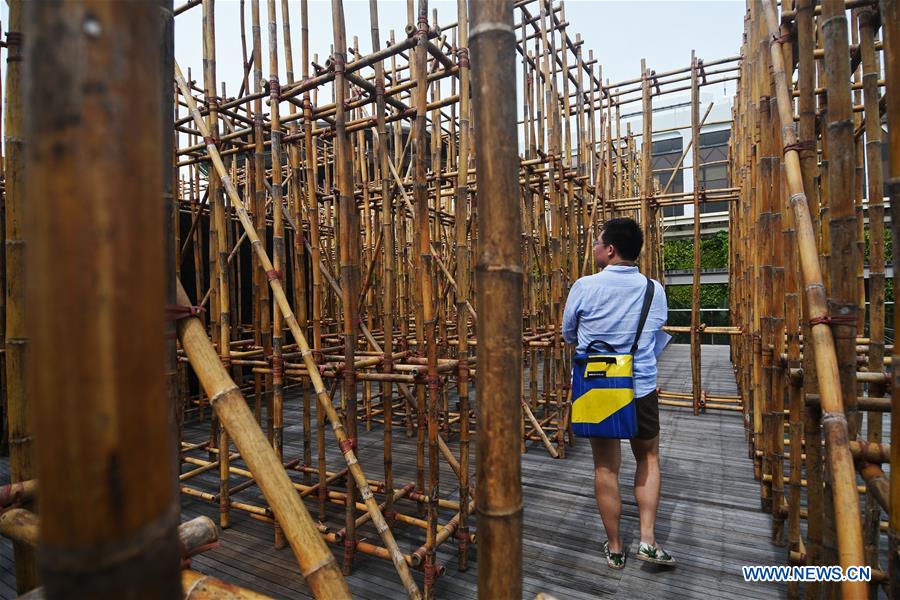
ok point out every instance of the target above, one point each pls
(349, 258)
(556, 248)
(890, 13)
(98, 274)
(387, 232)
(171, 200)
(777, 309)
(812, 426)
(277, 245)
(462, 280)
(312, 181)
(260, 290)
(4, 422)
(841, 222)
(841, 175)
(300, 274)
(795, 390)
(425, 289)
(766, 159)
(868, 22)
(499, 301)
(219, 284)
(16, 343)
(695, 291)
(646, 258)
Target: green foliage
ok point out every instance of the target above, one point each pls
(888, 246)
(712, 295)
(679, 254)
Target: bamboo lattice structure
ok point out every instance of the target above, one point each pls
(811, 361)
(368, 237)
(360, 181)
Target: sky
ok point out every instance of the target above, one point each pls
(620, 33)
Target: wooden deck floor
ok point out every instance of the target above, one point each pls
(709, 516)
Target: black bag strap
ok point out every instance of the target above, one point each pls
(645, 310)
(608, 348)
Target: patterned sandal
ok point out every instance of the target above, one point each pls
(614, 560)
(654, 554)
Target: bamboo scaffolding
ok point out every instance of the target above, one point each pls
(362, 188)
(825, 221)
(291, 321)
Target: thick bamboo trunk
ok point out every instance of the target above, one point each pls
(499, 302)
(890, 16)
(99, 276)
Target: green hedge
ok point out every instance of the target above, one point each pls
(712, 295)
(679, 254)
(888, 246)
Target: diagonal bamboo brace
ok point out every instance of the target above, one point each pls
(321, 393)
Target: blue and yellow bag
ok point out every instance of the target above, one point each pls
(603, 386)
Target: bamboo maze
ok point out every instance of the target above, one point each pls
(376, 241)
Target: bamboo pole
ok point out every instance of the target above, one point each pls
(890, 13)
(220, 288)
(646, 167)
(16, 341)
(98, 276)
(695, 292)
(499, 301)
(807, 157)
(387, 220)
(278, 251)
(349, 256)
(868, 23)
(427, 330)
(462, 268)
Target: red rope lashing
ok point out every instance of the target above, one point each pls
(833, 320)
(273, 274)
(177, 312)
(799, 146)
(277, 367)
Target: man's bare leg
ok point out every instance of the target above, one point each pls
(646, 485)
(607, 457)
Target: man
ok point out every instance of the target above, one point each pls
(606, 306)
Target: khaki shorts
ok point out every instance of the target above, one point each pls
(647, 416)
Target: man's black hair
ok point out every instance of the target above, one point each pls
(624, 234)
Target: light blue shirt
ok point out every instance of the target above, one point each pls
(607, 306)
